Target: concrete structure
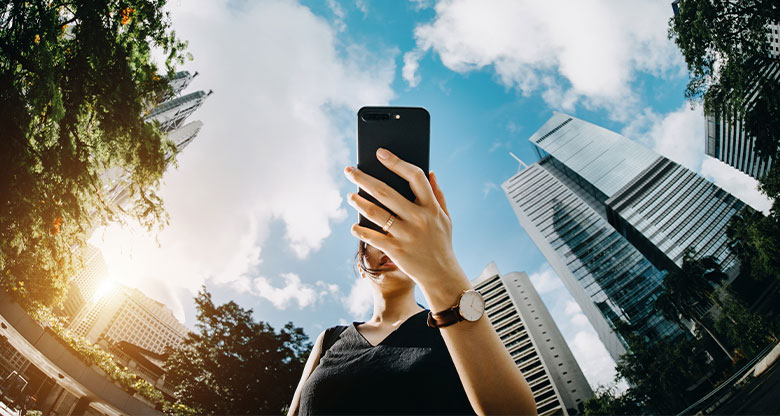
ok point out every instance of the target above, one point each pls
(530, 335)
(126, 314)
(146, 364)
(70, 386)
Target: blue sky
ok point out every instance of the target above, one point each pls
(257, 204)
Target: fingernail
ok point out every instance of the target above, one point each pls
(382, 153)
(348, 170)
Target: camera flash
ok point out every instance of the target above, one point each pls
(397, 116)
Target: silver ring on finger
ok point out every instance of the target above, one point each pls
(389, 223)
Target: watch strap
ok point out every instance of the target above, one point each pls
(444, 318)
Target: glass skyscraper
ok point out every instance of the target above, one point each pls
(611, 216)
(610, 280)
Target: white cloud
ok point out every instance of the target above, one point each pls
(545, 280)
(362, 6)
(360, 301)
(272, 147)
(293, 290)
(338, 13)
(411, 65)
(593, 358)
(574, 51)
(487, 187)
(679, 136)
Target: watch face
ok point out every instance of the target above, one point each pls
(472, 306)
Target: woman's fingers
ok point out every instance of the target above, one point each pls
(372, 237)
(386, 195)
(417, 179)
(374, 213)
(439, 194)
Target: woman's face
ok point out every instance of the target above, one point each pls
(375, 259)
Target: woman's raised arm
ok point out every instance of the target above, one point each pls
(419, 242)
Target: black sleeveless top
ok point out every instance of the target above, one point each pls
(409, 372)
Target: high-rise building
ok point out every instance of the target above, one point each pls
(84, 284)
(725, 137)
(126, 314)
(610, 280)
(171, 114)
(529, 333)
(611, 216)
(668, 208)
(660, 206)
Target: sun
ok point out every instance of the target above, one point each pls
(107, 286)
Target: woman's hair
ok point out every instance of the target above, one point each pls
(360, 262)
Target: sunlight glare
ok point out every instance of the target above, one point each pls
(106, 287)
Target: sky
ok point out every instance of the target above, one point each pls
(257, 205)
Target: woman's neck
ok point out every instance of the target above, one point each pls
(390, 309)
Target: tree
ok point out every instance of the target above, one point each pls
(747, 331)
(753, 238)
(725, 46)
(661, 373)
(76, 78)
(606, 401)
(234, 365)
(688, 292)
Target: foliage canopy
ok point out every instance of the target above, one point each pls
(234, 365)
(76, 78)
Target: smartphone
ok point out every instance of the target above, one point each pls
(405, 131)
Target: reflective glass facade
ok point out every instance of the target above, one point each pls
(609, 278)
(601, 157)
(670, 208)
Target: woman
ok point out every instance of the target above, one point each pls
(406, 360)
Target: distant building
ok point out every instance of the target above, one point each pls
(171, 114)
(126, 314)
(83, 286)
(725, 137)
(536, 345)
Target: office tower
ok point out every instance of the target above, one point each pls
(610, 280)
(725, 137)
(84, 284)
(669, 208)
(611, 216)
(126, 314)
(172, 113)
(179, 82)
(661, 207)
(530, 335)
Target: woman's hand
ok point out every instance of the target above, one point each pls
(419, 241)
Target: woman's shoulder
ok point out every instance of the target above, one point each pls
(330, 336)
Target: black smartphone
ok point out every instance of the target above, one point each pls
(405, 131)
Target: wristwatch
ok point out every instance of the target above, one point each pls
(470, 307)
